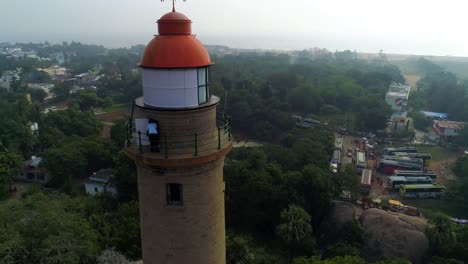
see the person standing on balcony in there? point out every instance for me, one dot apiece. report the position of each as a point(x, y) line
point(153, 135)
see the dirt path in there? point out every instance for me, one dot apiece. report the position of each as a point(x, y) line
point(109, 119)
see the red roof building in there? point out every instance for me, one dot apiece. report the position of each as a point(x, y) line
point(447, 128)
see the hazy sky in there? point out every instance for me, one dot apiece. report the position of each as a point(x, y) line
point(397, 26)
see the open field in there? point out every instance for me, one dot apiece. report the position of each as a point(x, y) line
point(113, 116)
point(109, 119)
point(438, 154)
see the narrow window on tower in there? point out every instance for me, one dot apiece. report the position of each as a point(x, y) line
point(174, 194)
point(203, 92)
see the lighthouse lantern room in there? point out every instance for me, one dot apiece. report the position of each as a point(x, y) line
point(175, 66)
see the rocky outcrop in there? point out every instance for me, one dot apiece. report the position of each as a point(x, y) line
point(340, 213)
point(392, 235)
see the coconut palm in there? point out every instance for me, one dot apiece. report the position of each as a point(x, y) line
point(295, 228)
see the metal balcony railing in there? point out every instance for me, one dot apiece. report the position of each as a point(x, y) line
point(189, 144)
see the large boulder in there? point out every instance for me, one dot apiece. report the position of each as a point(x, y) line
point(339, 214)
point(392, 235)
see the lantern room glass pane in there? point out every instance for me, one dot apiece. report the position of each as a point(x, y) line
point(202, 76)
point(202, 94)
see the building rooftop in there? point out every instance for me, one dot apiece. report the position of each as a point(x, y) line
point(34, 161)
point(398, 87)
point(451, 124)
point(399, 94)
point(104, 176)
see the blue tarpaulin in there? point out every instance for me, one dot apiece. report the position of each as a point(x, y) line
point(434, 114)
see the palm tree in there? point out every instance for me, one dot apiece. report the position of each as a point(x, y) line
point(295, 228)
point(440, 233)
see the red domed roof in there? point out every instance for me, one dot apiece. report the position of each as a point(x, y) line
point(174, 16)
point(175, 46)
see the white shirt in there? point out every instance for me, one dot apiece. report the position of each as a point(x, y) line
point(152, 128)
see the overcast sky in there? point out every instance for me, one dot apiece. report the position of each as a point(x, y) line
point(397, 26)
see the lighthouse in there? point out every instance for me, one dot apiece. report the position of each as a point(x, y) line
point(178, 142)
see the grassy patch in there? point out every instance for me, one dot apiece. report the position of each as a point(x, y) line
point(117, 108)
point(446, 206)
point(437, 153)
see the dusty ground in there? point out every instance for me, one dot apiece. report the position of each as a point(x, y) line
point(443, 171)
point(247, 144)
point(412, 80)
point(109, 119)
point(113, 117)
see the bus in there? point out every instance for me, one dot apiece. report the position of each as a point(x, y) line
point(360, 161)
point(390, 151)
point(421, 191)
point(417, 161)
point(424, 156)
point(420, 173)
point(336, 159)
point(390, 166)
point(366, 180)
point(394, 182)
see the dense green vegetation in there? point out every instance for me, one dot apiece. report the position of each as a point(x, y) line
point(436, 88)
point(54, 228)
point(265, 89)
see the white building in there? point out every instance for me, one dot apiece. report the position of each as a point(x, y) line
point(32, 172)
point(101, 182)
point(397, 96)
point(8, 77)
point(34, 126)
point(46, 87)
point(55, 72)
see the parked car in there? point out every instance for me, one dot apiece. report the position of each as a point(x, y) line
point(350, 152)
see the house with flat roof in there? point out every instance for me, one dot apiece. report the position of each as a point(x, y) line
point(447, 129)
point(101, 182)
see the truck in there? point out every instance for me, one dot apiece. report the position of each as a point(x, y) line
point(339, 143)
point(366, 180)
point(360, 161)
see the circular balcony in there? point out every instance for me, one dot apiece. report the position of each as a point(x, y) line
point(175, 150)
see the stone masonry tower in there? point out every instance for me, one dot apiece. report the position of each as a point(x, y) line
point(180, 171)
